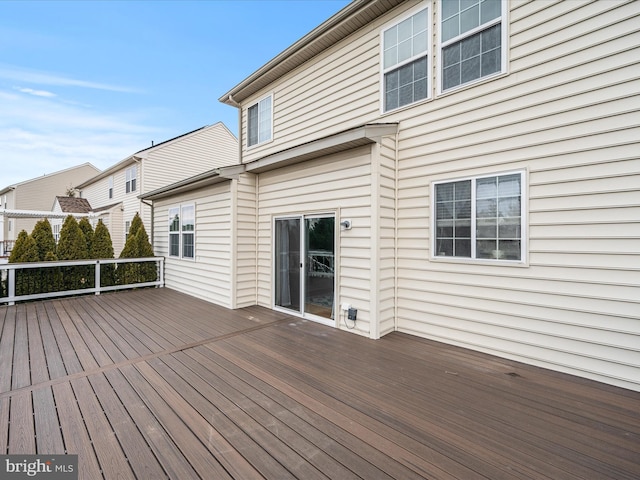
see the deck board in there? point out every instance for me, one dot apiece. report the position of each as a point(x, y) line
point(21, 431)
point(55, 363)
point(153, 383)
point(47, 431)
point(6, 348)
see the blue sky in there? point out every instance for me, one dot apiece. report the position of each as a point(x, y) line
point(95, 81)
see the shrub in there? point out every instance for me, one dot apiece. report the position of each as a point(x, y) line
point(137, 246)
point(102, 247)
point(87, 230)
point(43, 236)
point(73, 246)
point(25, 250)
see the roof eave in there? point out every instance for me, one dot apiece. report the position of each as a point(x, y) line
point(339, 26)
point(346, 140)
point(206, 179)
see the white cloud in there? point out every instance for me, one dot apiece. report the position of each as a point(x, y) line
point(42, 134)
point(37, 93)
point(23, 75)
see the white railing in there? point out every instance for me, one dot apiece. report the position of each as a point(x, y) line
point(321, 263)
point(5, 247)
point(64, 280)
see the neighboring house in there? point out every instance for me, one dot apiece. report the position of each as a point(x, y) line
point(469, 176)
point(114, 192)
point(68, 205)
point(37, 194)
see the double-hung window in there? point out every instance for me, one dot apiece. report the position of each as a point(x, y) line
point(480, 217)
point(405, 61)
point(188, 231)
point(174, 232)
point(260, 121)
point(111, 187)
point(130, 180)
point(182, 228)
point(471, 36)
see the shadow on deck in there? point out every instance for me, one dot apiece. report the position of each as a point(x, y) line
point(154, 384)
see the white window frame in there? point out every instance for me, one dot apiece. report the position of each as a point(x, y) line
point(180, 233)
point(261, 116)
point(172, 212)
point(523, 261)
point(131, 179)
point(110, 188)
point(502, 20)
point(127, 227)
point(383, 71)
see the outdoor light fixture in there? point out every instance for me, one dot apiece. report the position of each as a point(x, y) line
point(345, 225)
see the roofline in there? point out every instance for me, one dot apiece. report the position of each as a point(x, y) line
point(306, 41)
point(341, 141)
point(211, 177)
point(15, 185)
point(139, 155)
point(345, 140)
point(11, 213)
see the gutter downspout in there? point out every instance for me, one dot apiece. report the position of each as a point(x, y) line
point(237, 105)
point(150, 205)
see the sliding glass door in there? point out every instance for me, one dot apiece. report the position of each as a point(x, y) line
point(288, 263)
point(305, 265)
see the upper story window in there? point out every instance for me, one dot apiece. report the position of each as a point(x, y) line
point(131, 177)
point(110, 187)
point(260, 121)
point(405, 61)
point(471, 40)
point(480, 217)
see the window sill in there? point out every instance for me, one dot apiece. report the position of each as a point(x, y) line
point(471, 84)
point(480, 261)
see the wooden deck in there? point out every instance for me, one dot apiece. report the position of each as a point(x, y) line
point(153, 384)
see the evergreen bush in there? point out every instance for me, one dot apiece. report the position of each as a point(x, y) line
point(137, 246)
point(73, 246)
point(102, 247)
point(45, 241)
point(25, 250)
point(87, 230)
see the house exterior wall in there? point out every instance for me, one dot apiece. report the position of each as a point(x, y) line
point(97, 194)
point(212, 147)
point(340, 184)
point(40, 194)
point(244, 241)
point(209, 275)
point(565, 113)
point(166, 163)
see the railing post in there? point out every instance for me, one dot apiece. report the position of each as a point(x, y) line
point(160, 272)
point(97, 277)
point(11, 279)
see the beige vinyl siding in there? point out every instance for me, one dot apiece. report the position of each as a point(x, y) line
point(337, 90)
point(208, 276)
point(211, 147)
point(567, 114)
point(40, 193)
point(97, 194)
point(245, 244)
point(339, 184)
point(386, 234)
